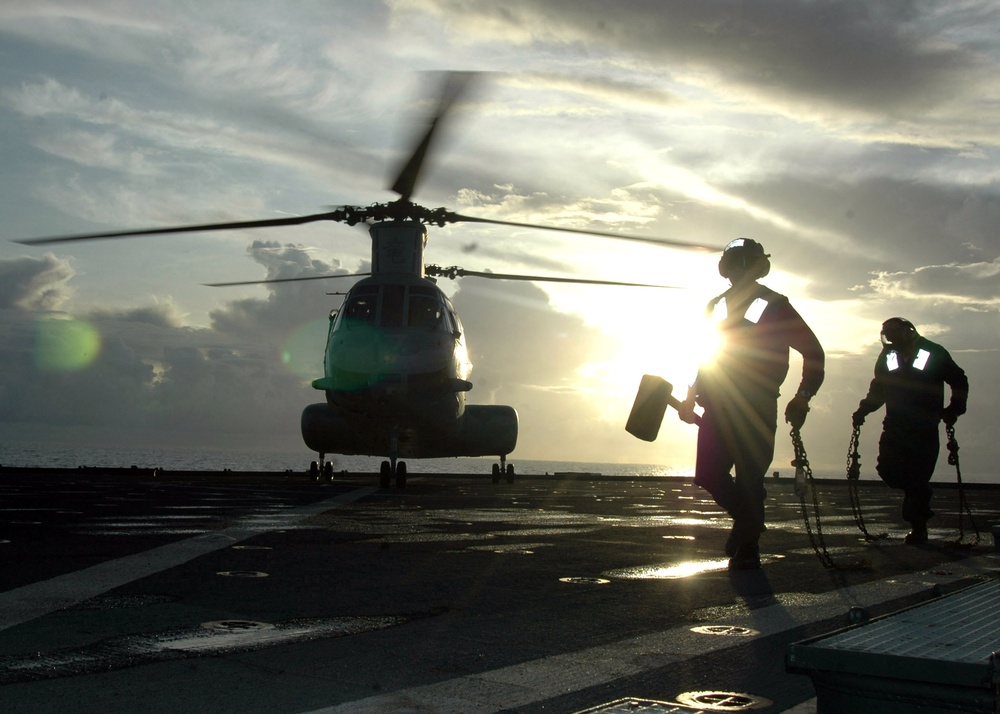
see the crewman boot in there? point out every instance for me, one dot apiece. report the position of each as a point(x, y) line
point(732, 542)
point(737, 536)
point(917, 534)
point(746, 557)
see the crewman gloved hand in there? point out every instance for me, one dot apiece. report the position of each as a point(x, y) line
point(950, 414)
point(795, 412)
point(685, 411)
point(858, 418)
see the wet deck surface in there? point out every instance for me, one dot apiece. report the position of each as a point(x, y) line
point(185, 592)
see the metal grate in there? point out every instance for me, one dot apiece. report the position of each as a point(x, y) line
point(938, 656)
point(963, 627)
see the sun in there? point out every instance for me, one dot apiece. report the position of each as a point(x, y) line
point(670, 340)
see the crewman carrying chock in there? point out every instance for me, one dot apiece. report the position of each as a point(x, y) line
point(738, 390)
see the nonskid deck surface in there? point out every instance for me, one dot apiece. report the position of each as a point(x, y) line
point(264, 592)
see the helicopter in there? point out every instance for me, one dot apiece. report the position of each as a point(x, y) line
point(396, 364)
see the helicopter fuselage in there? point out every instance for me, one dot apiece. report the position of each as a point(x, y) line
point(396, 369)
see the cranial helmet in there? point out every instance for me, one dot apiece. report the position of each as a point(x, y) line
point(897, 330)
point(744, 255)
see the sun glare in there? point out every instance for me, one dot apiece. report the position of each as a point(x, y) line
point(670, 340)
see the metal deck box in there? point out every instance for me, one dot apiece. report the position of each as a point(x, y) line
point(937, 657)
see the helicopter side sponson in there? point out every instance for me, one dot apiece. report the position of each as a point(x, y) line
point(482, 430)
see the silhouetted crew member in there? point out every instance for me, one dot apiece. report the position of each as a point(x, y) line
point(738, 390)
point(910, 375)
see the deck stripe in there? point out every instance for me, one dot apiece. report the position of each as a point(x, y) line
point(538, 680)
point(28, 602)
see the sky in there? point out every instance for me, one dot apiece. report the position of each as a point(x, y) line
point(856, 141)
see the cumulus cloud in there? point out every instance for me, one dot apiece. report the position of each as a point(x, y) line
point(34, 283)
point(141, 367)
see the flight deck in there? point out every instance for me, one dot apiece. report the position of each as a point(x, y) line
point(224, 591)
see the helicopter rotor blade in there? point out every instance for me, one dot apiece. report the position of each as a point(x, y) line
point(345, 214)
point(456, 272)
point(663, 242)
point(283, 280)
point(455, 85)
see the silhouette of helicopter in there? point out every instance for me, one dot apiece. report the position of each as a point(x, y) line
point(396, 368)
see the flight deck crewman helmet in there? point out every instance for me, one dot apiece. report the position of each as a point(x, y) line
point(744, 255)
point(898, 331)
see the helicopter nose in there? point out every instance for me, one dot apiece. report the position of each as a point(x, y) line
point(390, 385)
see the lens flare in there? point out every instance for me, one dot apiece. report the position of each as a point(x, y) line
point(302, 353)
point(65, 345)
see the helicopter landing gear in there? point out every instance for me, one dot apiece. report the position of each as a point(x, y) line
point(388, 470)
point(392, 467)
point(503, 469)
point(321, 471)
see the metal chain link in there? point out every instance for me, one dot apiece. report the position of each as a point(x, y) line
point(853, 476)
point(963, 505)
point(804, 482)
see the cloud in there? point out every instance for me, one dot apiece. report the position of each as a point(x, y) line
point(974, 286)
point(888, 58)
point(34, 283)
point(140, 367)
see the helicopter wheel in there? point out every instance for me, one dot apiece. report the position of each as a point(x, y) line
point(385, 475)
point(510, 473)
point(496, 473)
point(328, 471)
point(401, 474)
point(313, 471)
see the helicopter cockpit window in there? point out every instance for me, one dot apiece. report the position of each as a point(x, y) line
point(455, 321)
point(359, 309)
point(424, 311)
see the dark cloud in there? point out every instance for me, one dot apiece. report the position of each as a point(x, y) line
point(34, 283)
point(288, 304)
point(141, 368)
point(163, 316)
point(877, 57)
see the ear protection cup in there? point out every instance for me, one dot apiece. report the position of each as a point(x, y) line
point(744, 255)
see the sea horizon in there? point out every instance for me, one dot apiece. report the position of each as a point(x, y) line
point(34, 455)
point(56, 455)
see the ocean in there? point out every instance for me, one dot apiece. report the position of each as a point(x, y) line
point(193, 459)
point(57, 455)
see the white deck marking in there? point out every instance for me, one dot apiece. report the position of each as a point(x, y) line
point(31, 601)
point(535, 681)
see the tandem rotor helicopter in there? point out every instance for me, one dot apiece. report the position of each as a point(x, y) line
point(396, 367)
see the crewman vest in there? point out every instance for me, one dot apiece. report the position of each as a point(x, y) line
point(919, 362)
point(721, 310)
